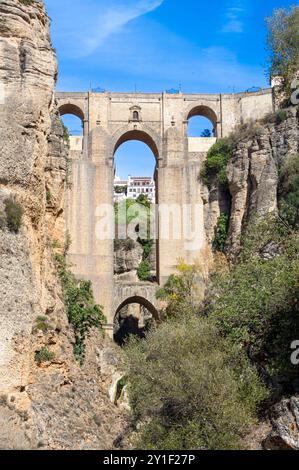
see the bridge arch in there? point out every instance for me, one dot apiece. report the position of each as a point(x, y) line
point(144, 134)
point(132, 323)
point(70, 108)
point(141, 301)
point(205, 111)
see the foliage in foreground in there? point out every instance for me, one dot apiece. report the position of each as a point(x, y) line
point(191, 388)
point(83, 313)
point(256, 304)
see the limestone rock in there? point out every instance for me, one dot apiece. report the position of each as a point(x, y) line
point(126, 260)
point(285, 422)
point(253, 172)
point(56, 404)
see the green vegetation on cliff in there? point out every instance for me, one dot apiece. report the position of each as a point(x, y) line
point(83, 313)
point(14, 214)
point(288, 194)
point(215, 166)
point(255, 304)
point(137, 213)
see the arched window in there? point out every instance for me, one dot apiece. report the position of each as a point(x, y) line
point(135, 116)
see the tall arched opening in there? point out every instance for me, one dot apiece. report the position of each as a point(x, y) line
point(135, 189)
point(73, 119)
point(134, 316)
point(202, 122)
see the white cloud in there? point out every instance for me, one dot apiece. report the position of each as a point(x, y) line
point(84, 26)
point(234, 17)
point(115, 18)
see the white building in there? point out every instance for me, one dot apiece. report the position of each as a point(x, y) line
point(120, 189)
point(134, 187)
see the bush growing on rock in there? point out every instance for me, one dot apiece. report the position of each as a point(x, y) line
point(83, 313)
point(215, 166)
point(144, 271)
point(288, 191)
point(221, 232)
point(44, 355)
point(14, 213)
point(256, 303)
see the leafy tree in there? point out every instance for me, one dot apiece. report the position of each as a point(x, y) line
point(283, 45)
point(214, 169)
point(190, 388)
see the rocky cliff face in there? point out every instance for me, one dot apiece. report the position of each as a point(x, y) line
point(253, 170)
point(53, 404)
point(28, 70)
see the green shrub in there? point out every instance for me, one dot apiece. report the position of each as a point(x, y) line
point(214, 170)
point(189, 388)
point(44, 355)
point(288, 191)
point(281, 116)
point(144, 271)
point(147, 246)
point(256, 303)
point(182, 291)
point(221, 232)
point(14, 213)
point(83, 313)
point(2, 220)
point(41, 324)
point(48, 197)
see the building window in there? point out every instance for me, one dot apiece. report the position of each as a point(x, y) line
point(135, 116)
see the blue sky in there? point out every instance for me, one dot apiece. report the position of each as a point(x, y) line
point(153, 45)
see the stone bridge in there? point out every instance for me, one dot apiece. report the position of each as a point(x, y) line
point(160, 120)
point(143, 293)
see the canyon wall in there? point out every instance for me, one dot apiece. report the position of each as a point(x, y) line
point(253, 172)
point(54, 404)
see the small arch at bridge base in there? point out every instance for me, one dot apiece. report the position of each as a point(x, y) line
point(134, 316)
